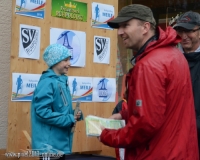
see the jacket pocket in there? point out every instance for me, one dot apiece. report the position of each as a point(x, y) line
point(46, 132)
point(62, 95)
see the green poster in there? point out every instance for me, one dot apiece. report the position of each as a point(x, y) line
point(69, 9)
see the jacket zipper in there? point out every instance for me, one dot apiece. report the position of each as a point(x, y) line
point(62, 95)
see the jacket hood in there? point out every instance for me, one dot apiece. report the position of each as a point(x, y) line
point(165, 38)
point(51, 74)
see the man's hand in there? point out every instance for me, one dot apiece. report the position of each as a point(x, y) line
point(102, 128)
point(116, 116)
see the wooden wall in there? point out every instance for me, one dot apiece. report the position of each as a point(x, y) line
point(125, 54)
point(19, 129)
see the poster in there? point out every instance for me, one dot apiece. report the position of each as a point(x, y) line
point(101, 14)
point(81, 88)
point(23, 86)
point(104, 89)
point(32, 8)
point(75, 41)
point(29, 43)
point(68, 9)
point(101, 50)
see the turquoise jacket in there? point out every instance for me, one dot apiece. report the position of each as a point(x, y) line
point(52, 115)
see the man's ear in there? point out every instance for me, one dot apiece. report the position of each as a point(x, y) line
point(199, 34)
point(147, 27)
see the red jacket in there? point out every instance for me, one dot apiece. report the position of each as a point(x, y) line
point(160, 119)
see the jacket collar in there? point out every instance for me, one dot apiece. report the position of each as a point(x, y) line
point(133, 59)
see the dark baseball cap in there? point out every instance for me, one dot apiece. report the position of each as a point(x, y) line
point(188, 20)
point(129, 12)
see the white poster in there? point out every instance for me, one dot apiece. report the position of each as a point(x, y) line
point(104, 89)
point(75, 41)
point(23, 86)
point(101, 49)
point(32, 8)
point(29, 43)
point(101, 14)
point(81, 88)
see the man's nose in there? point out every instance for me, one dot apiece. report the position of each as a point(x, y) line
point(120, 31)
point(183, 35)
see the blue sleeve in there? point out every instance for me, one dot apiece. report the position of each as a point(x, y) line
point(42, 103)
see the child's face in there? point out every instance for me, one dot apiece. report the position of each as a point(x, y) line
point(62, 67)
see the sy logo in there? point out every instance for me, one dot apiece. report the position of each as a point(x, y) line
point(101, 47)
point(29, 39)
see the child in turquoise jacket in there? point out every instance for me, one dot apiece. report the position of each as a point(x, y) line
point(52, 115)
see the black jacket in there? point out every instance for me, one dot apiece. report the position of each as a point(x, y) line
point(194, 64)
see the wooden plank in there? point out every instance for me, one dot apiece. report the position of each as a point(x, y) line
point(19, 112)
point(3, 157)
point(24, 141)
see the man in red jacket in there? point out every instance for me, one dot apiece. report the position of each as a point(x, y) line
point(160, 118)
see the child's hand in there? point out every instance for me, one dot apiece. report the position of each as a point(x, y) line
point(78, 116)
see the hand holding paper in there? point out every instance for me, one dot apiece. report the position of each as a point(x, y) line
point(95, 125)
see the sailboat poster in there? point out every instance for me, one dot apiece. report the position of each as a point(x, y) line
point(74, 41)
point(104, 89)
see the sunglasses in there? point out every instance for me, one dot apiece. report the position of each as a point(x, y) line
point(187, 31)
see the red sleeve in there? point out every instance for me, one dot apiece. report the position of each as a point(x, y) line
point(124, 106)
point(146, 108)
point(124, 112)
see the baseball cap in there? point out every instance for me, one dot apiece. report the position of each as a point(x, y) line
point(55, 53)
point(188, 20)
point(129, 12)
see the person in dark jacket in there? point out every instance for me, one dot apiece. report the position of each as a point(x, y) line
point(121, 106)
point(188, 28)
point(160, 117)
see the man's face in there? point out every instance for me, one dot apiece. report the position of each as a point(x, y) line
point(62, 67)
point(131, 33)
point(190, 38)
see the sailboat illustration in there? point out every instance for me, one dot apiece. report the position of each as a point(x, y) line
point(66, 42)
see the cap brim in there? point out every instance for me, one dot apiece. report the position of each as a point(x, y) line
point(184, 25)
point(115, 22)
